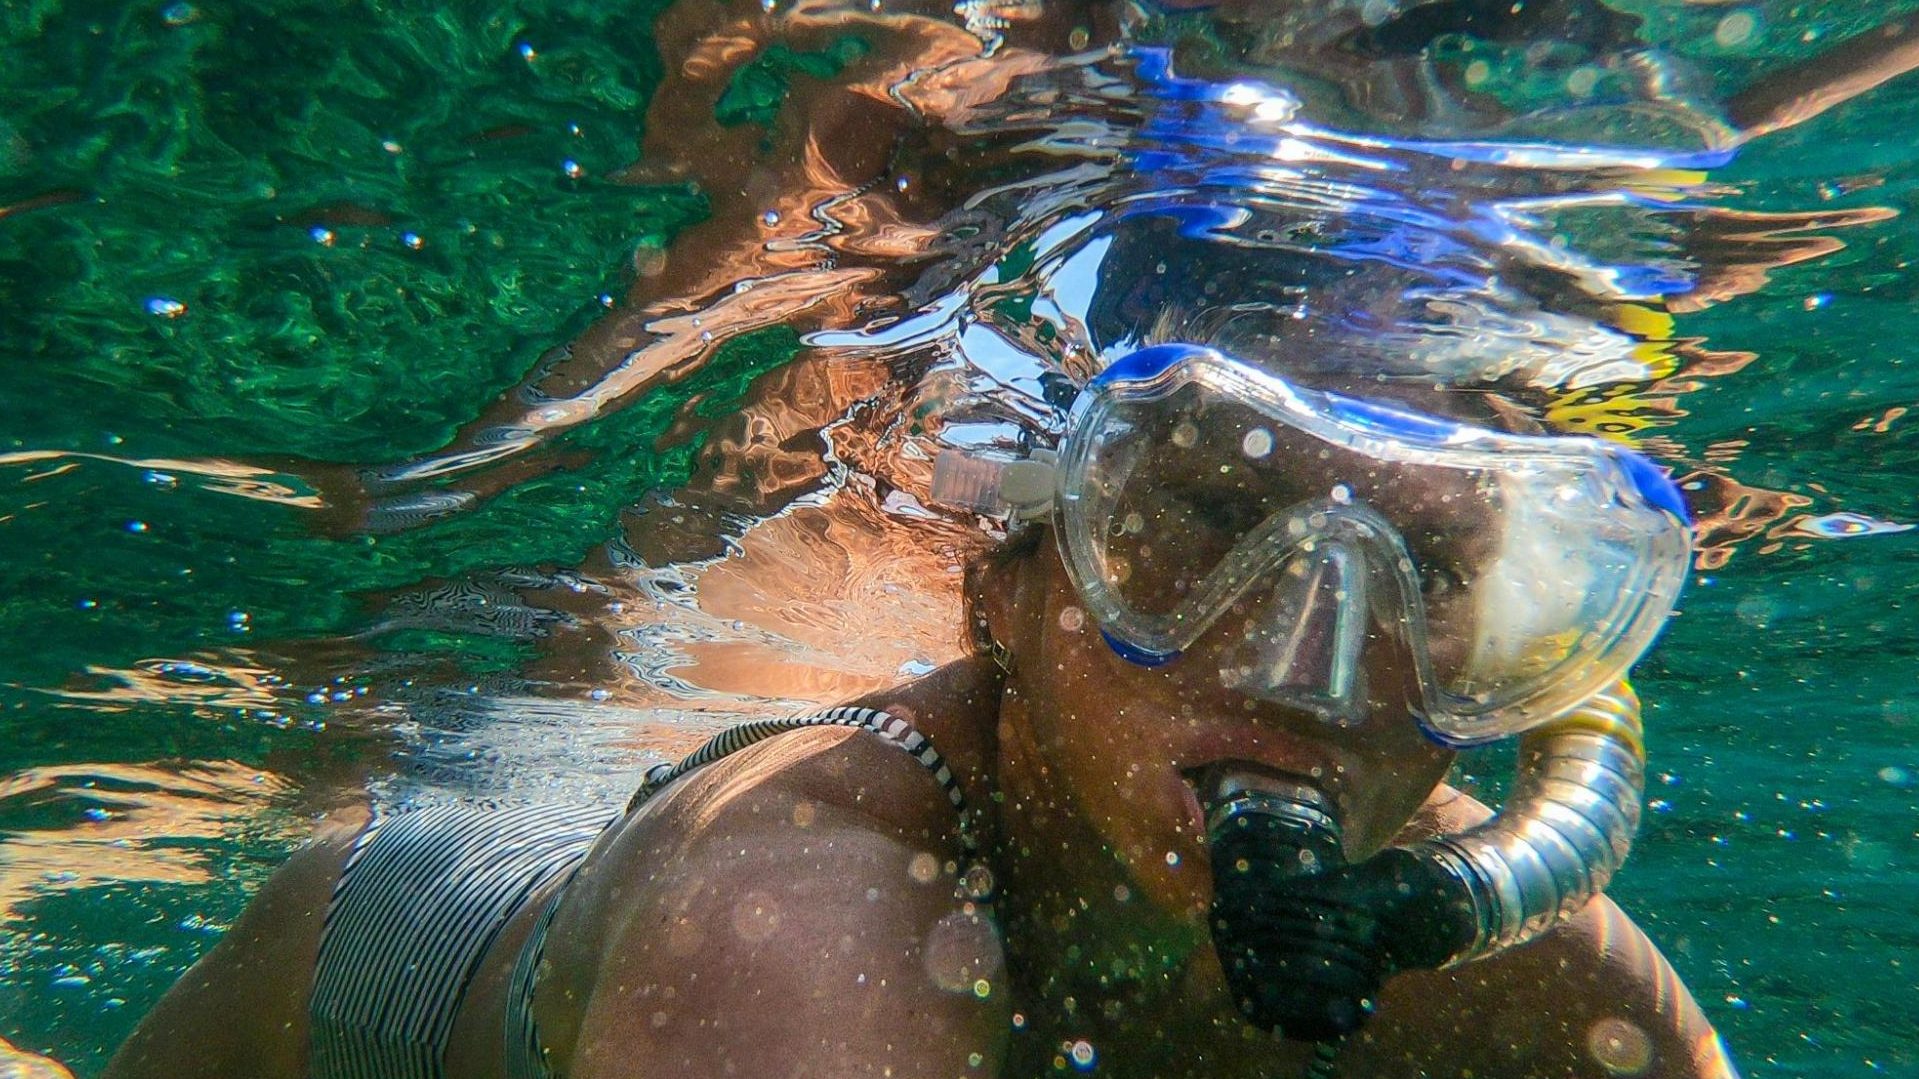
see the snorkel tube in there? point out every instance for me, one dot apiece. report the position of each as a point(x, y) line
point(1306, 942)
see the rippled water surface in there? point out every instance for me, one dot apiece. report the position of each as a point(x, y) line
point(400, 400)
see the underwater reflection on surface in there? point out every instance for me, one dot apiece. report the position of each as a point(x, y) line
point(919, 230)
point(83, 826)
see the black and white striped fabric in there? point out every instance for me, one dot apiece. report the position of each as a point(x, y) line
point(885, 724)
point(424, 893)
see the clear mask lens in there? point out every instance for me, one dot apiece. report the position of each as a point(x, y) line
point(1304, 648)
point(1511, 576)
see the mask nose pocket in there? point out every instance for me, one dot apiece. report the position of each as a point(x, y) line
point(1302, 645)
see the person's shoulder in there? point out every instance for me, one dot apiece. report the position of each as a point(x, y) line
point(857, 775)
point(814, 871)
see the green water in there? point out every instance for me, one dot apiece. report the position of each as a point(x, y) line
point(188, 154)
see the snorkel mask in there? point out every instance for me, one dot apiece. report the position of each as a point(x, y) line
point(1517, 576)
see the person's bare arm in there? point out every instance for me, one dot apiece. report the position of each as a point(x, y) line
point(241, 1011)
point(778, 928)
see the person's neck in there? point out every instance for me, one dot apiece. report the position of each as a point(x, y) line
point(954, 707)
point(1091, 959)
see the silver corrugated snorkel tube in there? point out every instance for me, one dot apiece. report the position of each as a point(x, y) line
point(1307, 941)
point(1562, 833)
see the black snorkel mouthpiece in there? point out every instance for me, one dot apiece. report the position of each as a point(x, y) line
point(1306, 940)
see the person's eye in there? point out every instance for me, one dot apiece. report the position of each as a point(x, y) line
point(1437, 581)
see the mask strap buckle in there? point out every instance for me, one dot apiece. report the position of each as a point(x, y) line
point(1019, 489)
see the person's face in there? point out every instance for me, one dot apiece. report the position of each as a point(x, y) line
point(1122, 746)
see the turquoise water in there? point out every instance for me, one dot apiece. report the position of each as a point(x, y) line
point(260, 267)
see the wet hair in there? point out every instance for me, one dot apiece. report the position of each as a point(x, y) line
point(1021, 543)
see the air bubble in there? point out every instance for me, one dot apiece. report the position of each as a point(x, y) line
point(1735, 29)
point(1619, 1046)
point(924, 868)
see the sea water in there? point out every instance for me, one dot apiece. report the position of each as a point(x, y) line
point(300, 497)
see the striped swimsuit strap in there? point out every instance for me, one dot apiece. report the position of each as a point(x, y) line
point(975, 879)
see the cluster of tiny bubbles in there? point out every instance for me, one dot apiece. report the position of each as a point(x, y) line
point(339, 692)
point(1079, 1054)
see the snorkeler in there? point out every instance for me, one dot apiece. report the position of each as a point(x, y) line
point(1183, 815)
